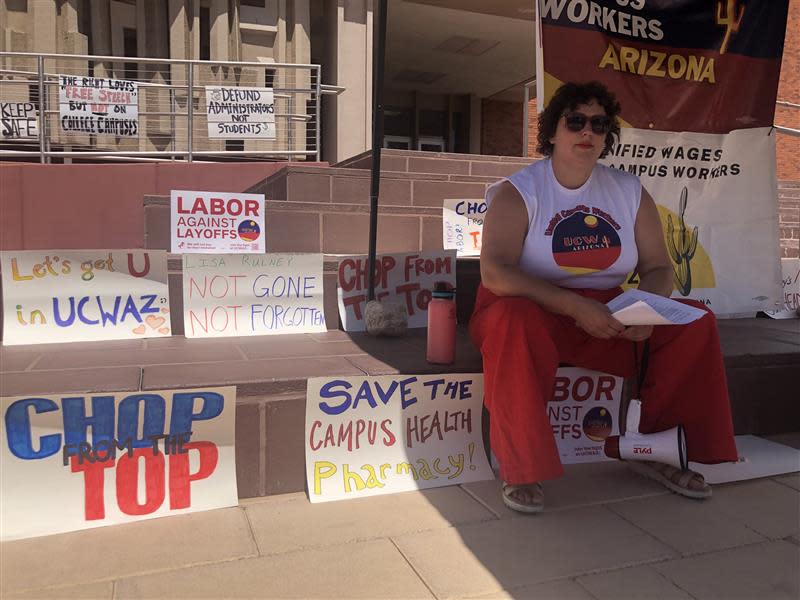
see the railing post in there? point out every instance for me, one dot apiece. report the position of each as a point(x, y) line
point(190, 108)
point(42, 111)
point(318, 102)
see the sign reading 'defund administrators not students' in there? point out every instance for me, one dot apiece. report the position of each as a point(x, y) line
point(76, 461)
point(216, 222)
point(98, 106)
point(84, 295)
point(235, 113)
point(462, 226)
point(243, 294)
point(404, 278)
point(367, 436)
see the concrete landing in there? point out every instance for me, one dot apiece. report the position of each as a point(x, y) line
point(605, 534)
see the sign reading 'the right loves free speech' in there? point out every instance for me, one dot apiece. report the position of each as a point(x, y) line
point(217, 223)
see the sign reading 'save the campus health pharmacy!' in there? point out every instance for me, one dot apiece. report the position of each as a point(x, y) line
point(367, 436)
point(84, 295)
point(76, 461)
point(216, 222)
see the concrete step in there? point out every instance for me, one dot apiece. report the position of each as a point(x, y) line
point(762, 358)
point(408, 161)
point(352, 186)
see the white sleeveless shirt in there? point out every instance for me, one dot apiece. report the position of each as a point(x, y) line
point(581, 238)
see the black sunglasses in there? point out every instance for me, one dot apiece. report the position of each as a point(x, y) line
point(576, 121)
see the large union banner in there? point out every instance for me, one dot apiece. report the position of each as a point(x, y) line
point(697, 81)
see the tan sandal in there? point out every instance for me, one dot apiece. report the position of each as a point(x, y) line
point(534, 489)
point(674, 479)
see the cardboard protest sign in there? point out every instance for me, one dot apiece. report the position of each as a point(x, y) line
point(367, 436)
point(84, 295)
point(789, 301)
point(19, 121)
point(702, 145)
point(711, 192)
point(584, 411)
point(405, 278)
point(462, 226)
point(236, 113)
point(242, 294)
point(98, 106)
point(673, 66)
point(75, 461)
point(216, 222)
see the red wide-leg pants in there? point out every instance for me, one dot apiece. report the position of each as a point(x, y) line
point(522, 346)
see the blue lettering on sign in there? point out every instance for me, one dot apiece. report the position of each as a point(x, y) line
point(76, 423)
point(472, 208)
point(65, 317)
point(18, 429)
point(328, 392)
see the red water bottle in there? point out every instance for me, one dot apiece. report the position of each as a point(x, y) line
point(442, 325)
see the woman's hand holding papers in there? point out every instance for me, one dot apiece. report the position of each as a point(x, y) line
point(595, 318)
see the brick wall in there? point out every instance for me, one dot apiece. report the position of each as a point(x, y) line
point(501, 134)
point(788, 147)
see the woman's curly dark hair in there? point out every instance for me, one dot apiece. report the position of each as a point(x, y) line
point(567, 98)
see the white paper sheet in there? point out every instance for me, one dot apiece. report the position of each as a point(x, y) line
point(757, 458)
point(635, 307)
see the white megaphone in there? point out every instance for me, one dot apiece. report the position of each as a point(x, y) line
point(664, 447)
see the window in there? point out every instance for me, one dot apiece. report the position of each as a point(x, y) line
point(129, 49)
point(234, 144)
point(205, 33)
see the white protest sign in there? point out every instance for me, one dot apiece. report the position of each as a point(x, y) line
point(367, 436)
point(236, 113)
point(242, 294)
point(404, 278)
point(584, 411)
point(84, 295)
point(462, 226)
point(98, 106)
point(76, 461)
point(713, 193)
point(789, 302)
point(19, 120)
point(216, 222)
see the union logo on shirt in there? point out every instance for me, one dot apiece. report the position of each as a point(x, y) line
point(585, 243)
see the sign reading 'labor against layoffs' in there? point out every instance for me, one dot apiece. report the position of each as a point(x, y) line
point(84, 295)
point(367, 436)
point(19, 121)
point(236, 113)
point(75, 461)
point(98, 106)
point(462, 226)
point(242, 294)
point(702, 143)
point(405, 278)
point(216, 222)
point(584, 411)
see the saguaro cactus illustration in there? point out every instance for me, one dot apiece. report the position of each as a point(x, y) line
point(682, 250)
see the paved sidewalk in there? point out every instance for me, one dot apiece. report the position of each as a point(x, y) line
point(606, 533)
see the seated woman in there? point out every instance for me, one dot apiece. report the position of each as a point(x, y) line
point(559, 238)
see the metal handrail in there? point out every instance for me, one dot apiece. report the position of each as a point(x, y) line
point(297, 118)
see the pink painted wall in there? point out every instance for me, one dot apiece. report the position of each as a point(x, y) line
point(99, 205)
